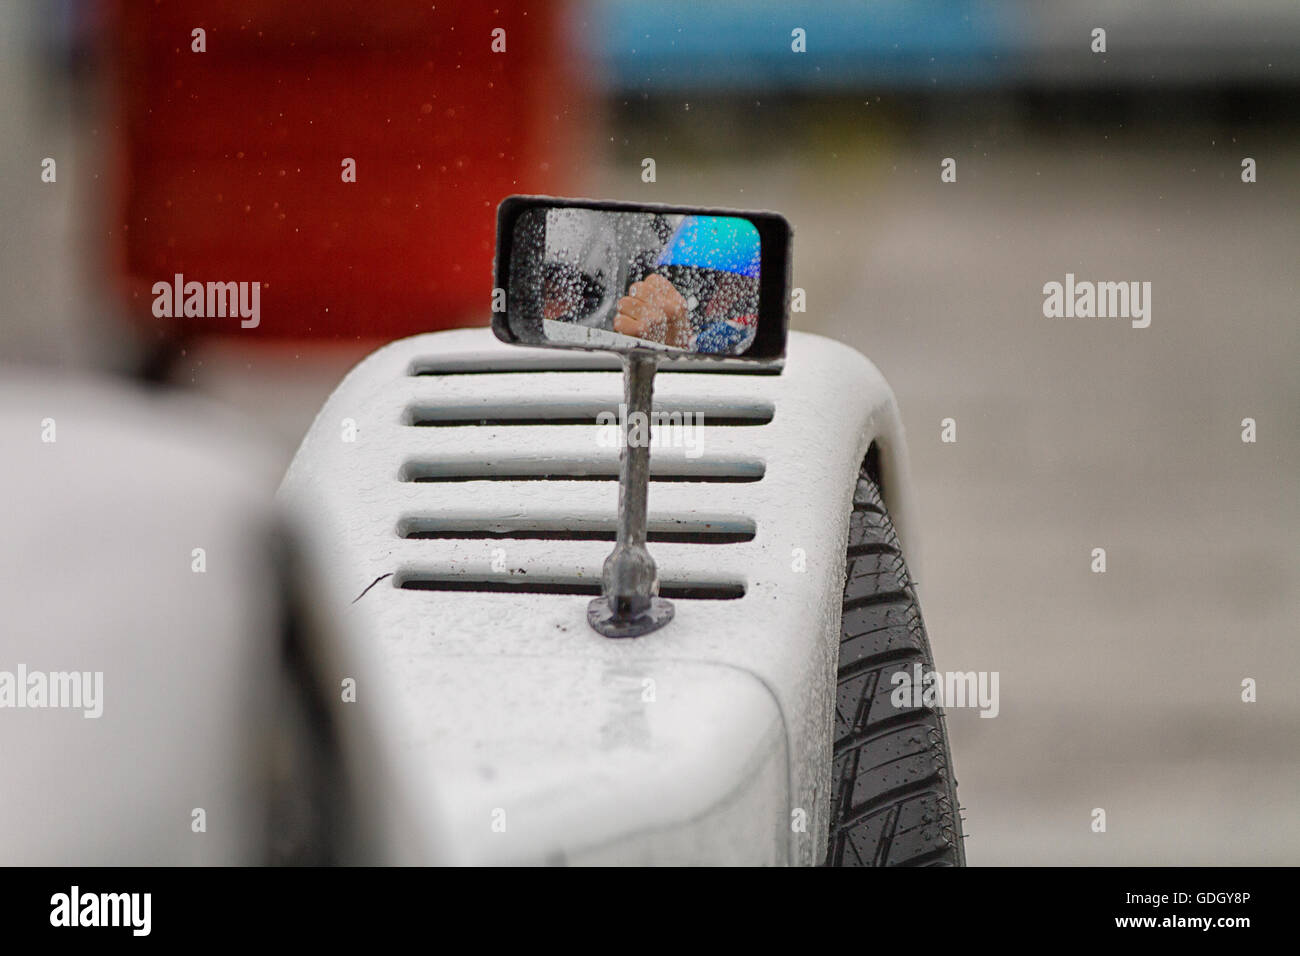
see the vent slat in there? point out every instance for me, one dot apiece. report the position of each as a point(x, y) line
point(573, 361)
point(578, 468)
point(542, 411)
point(654, 537)
point(720, 530)
point(676, 590)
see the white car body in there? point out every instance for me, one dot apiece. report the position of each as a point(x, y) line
point(138, 555)
point(494, 726)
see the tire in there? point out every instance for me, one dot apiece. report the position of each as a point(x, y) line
point(894, 796)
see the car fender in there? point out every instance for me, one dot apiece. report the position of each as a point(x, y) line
point(499, 726)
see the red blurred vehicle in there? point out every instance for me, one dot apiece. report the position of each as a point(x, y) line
point(232, 159)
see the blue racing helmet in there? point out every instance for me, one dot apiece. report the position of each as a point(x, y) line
point(725, 243)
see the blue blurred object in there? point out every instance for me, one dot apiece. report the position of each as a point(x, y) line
point(725, 243)
point(749, 46)
point(737, 45)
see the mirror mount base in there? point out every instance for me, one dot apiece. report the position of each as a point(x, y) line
point(606, 620)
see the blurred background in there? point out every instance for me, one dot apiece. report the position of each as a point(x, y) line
point(1118, 690)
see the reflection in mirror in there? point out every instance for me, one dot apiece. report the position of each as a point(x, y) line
point(602, 278)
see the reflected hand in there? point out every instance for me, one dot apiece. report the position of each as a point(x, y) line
point(654, 310)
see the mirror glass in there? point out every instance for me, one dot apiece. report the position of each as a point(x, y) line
point(618, 279)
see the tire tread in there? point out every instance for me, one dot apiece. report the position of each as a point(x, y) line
point(894, 799)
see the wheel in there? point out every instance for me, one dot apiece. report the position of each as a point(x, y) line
point(894, 796)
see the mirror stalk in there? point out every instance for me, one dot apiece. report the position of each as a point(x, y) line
point(629, 605)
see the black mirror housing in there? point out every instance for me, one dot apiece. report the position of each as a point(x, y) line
point(686, 282)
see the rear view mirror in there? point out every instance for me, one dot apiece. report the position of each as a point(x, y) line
point(654, 283)
point(678, 281)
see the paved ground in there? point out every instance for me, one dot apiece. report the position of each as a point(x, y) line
point(1118, 690)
